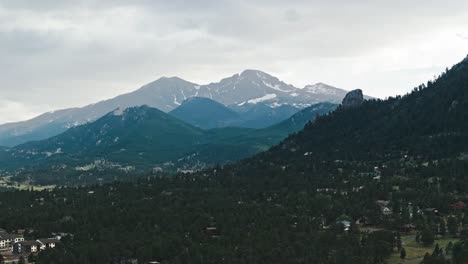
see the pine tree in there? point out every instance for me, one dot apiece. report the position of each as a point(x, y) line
point(427, 237)
point(452, 226)
point(418, 238)
point(449, 248)
point(442, 227)
point(437, 250)
point(403, 253)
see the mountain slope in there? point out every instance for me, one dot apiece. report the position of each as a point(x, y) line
point(204, 113)
point(249, 87)
point(262, 115)
point(141, 133)
point(427, 125)
point(298, 120)
point(138, 139)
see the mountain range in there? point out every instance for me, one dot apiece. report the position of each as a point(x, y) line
point(427, 124)
point(240, 92)
point(142, 138)
point(310, 199)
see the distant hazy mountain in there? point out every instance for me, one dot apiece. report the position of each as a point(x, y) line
point(248, 88)
point(205, 113)
point(145, 137)
point(262, 115)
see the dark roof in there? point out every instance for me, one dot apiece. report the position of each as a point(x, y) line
point(48, 240)
point(4, 235)
point(29, 243)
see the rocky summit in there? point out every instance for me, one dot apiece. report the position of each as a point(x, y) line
point(353, 99)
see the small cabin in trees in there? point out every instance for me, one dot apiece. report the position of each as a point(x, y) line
point(408, 228)
point(458, 205)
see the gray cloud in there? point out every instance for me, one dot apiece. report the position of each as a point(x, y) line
point(57, 54)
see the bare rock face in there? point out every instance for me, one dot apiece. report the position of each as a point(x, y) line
point(353, 98)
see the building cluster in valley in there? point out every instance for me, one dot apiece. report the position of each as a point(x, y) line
point(14, 246)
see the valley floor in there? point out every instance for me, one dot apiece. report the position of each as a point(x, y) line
point(415, 252)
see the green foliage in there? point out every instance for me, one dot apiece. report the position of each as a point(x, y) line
point(165, 219)
point(442, 227)
point(460, 252)
point(143, 138)
point(427, 237)
point(452, 225)
point(402, 253)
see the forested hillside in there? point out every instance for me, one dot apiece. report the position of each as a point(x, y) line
point(429, 123)
point(348, 189)
point(134, 141)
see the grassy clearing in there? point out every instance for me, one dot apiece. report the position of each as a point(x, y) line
point(415, 252)
point(7, 183)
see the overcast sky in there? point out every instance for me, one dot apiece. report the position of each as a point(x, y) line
point(58, 53)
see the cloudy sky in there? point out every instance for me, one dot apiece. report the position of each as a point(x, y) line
point(58, 53)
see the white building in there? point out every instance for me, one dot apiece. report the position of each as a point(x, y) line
point(7, 240)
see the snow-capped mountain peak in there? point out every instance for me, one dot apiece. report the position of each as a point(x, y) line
point(168, 93)
point(321, 88)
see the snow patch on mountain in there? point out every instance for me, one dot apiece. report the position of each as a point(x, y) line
point(175, 100)
point(320, 88)
point(275, 87)
point(262, 99)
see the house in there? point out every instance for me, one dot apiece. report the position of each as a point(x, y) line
point(46, 243)
point(386, 211)
point(382, 203)
point(458, 206)
point(28, 246)
point(410, 210)
point(432, 211)
point(362, 221)
point(384, 207)
point(346, 224)
point(407, 228)
point(34, 246)
point(212, 231)
point(7, 240)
